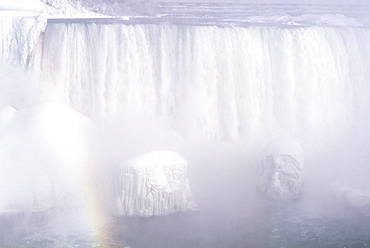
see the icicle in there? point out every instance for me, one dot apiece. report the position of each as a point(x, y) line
point(157, 185)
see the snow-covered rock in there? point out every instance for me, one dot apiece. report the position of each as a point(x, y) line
point(45, 157)
point(351, 197)
point(282, 162)
point(153, 184)
point(22, 5)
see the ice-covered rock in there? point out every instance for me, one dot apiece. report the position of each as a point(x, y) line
point(45, 157)
point(282, 162)
point(351, 197)
point(153, 184)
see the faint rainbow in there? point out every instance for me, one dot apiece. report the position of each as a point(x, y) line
point(94, 195)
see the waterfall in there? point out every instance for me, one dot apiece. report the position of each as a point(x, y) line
point(210, 83)
point(223, 83)
point(232, 83)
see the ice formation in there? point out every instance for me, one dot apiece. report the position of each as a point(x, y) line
point(45, 157)
point(354, 198)
point(282, 163)
point(153, 184)
point(19, 38)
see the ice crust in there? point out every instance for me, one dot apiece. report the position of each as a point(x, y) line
point(153, 184)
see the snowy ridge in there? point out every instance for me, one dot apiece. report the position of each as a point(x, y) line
point(56, 8)
point(22, 5)
point(74, 9)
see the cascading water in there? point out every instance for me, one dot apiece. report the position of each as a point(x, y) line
point(224, 83)
point(216, 86)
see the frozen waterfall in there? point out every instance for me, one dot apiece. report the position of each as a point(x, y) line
point(243, 83)
point(107, 115)
point(223, 83)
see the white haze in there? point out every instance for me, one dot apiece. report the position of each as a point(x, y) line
point(217, 104)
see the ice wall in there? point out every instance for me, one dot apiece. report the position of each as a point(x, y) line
point(223, 83)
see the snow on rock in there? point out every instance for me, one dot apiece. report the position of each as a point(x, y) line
point(22, 5)
point(45, 157)
point(153, 184)
point(351, 197)
point(46, 8)
point(67, 9)
point(356, 198)
point(282, 162)
point(96, 8)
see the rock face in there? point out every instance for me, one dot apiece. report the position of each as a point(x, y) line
point(282, 162)
point(153, 184)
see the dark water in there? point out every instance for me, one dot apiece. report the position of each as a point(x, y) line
point(271, 225)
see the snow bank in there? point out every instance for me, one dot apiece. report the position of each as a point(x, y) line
point(46, 8)
point(22, 5)
point(45, 157)
point(153, 184)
